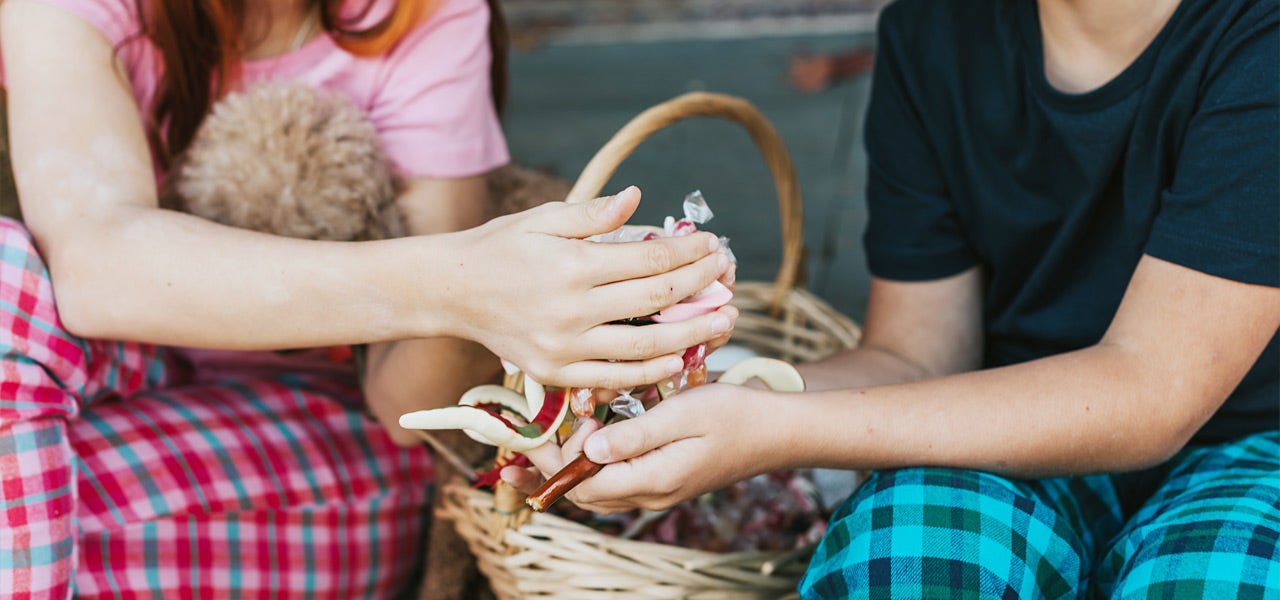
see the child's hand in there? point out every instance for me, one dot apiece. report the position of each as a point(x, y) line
point(700, 440)
point(542, 298)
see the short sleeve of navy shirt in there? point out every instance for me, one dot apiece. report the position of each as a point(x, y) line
point(976, 160)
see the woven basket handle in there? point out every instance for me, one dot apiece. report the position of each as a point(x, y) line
point(702, 104)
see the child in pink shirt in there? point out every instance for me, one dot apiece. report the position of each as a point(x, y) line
point(123, 474)
point(134, 479)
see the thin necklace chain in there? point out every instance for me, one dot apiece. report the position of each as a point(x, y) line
point(304, 31)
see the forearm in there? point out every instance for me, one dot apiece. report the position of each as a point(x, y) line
point(412, 375)
point(142, 274)
point(1088, 411)
point(1179, 345)
point(913, 331)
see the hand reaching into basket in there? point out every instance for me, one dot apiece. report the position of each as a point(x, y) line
point(575, 289)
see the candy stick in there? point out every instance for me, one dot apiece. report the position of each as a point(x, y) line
point(577, 471)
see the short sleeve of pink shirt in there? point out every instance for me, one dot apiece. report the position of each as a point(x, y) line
point(434, 106)
point(429, 96)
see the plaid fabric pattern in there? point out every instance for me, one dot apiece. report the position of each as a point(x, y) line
point(124, 476)
point(1204, 525)
point(1211, 531)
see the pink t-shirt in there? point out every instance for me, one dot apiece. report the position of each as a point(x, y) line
point(428, 96)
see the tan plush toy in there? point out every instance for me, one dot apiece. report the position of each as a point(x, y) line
point(286, 159)
point(289, 160)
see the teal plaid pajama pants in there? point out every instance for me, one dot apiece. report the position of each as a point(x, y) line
point(1204, 525)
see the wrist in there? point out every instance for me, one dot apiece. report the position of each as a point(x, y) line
point(802, 425)
point(418, 285)
point(775, 432)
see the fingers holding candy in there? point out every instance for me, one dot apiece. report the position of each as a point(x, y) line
point(684, 308)
point(571, 288)
point(778, 375)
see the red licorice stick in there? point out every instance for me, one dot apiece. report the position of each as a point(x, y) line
point(577, 471)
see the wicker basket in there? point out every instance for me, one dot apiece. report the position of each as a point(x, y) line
point(538, 555)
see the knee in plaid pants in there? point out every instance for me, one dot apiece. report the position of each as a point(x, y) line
point(123, 475)
point(1204, 525)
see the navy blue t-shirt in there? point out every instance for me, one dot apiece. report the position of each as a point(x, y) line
point(975, 159)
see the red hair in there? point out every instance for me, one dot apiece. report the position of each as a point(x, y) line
point(201, 43)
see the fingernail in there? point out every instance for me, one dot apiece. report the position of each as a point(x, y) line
point(722, 262)
point(730, 277)
point(675, 365)
point(614, 199)
point(597, 449)
point(713, 243)
point(719, 324)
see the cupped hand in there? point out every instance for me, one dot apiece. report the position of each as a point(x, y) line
point(701, 440)
point(539, 295)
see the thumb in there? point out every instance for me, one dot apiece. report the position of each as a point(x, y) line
point(585, 219)
point(634, 437)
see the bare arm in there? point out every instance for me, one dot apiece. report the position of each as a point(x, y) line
point(913, 331)
point(1180, 342)
point(124, 269)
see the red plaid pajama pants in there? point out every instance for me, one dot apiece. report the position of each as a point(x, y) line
point(126, 473)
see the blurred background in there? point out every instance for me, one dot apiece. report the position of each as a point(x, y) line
point(580, 69)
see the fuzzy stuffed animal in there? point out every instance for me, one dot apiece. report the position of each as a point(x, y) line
point(289, 160)
point(286, 159)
